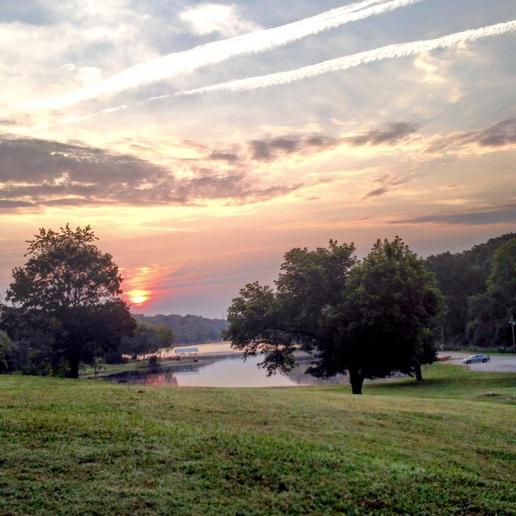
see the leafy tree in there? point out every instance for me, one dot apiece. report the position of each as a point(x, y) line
point(490, 312)
point(5, 348)
point(462, 277)
point(369, 319)
point(501, 284)
point(69, 291)
point(32, 332)
point(389, 314)
point(147, 339)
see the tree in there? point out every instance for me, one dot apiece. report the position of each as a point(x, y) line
point(501, 284)
point(69, 290)
point(369, 319)
point(462, 278)
point(147, 339)
point(5, 348)
point(491, 314)
point(389, 313)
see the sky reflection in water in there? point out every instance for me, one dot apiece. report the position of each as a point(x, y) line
point(225, 372)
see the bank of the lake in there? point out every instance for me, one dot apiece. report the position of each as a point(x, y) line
point(75, 447)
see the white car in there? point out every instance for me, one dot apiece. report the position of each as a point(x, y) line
point(476, 358)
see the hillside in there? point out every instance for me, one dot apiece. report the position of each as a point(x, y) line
point(84, 447)
point(188, 329)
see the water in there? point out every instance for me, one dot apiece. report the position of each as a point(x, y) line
point(223, 372)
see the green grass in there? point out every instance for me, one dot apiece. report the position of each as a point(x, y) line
point(86, 447)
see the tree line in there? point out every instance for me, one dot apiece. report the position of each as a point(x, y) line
point(188, 329)
point(479, 290)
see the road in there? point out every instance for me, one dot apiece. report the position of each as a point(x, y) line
point(497, 364)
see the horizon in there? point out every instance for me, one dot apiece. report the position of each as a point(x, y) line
point(203, 140)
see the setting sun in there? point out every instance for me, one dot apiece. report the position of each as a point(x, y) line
point(138, 297)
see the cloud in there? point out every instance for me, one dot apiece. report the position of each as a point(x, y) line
point(345, 63)
point(84, 74)
point(377, 192)
point(502, 133)
point(227, 156)
point(497, 135)
point(178, 63)
point(386, 182)
point(268, 149)
point(47, 173)
point(392, 133)
point(499, 215)
point(208, 18)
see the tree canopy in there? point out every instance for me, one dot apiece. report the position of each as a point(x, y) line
point(147, 339)
point(463, 280)
point(66, 294)
point(501, 284)
point(368, 318)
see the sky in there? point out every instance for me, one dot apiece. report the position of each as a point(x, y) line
point(203, 140)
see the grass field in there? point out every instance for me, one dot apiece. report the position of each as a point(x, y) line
point(85, 447)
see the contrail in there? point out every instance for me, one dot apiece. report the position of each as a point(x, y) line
point(175, 64)
point(344, 63)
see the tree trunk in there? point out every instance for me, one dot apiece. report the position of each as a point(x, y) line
point(417, 371)
point(357, 380)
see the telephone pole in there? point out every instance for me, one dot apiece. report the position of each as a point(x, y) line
point(512, 322)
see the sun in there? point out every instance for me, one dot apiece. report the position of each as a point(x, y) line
point(138, 297)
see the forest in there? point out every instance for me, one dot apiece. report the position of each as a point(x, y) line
point(475, 284)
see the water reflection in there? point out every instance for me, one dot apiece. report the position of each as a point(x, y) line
point(223, 372)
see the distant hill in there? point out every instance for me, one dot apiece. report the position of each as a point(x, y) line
point(188, 329)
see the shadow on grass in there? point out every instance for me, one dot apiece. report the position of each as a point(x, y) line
point(411, 383)
point(450, 381)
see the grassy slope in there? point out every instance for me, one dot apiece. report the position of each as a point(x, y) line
point(83, 446)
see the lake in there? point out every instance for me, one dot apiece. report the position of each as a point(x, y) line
point(223, 372)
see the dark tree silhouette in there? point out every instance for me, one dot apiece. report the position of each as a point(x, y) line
point(369, 319)
point(68, 290)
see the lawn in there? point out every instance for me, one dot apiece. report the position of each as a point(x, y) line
point(83, 447)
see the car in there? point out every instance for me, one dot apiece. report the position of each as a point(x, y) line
point(476, 358)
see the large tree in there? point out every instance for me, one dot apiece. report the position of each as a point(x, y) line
point(369, 319)
point(389, 314)
point(68, 290)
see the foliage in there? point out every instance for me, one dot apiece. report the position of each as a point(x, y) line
point(147, 339)
point(501, 284)
point(99, 448)
point(5, 349)
point(371, 318)
point(389, 313)
point(65, 306)
point(188, 329)
point(34, 349)
point(490, 313)
point(462, 278)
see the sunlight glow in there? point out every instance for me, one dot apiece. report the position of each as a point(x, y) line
point(138, 297)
